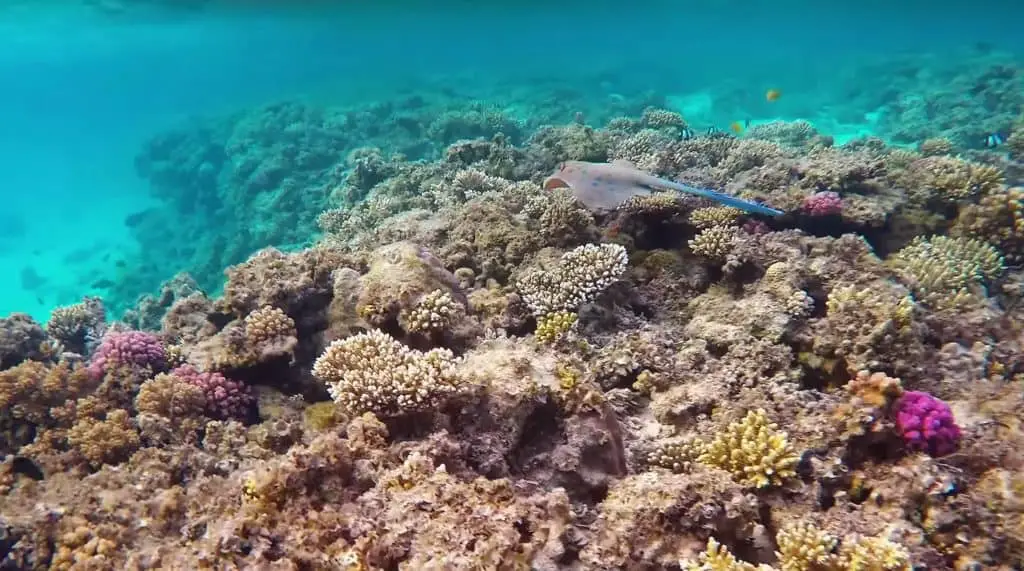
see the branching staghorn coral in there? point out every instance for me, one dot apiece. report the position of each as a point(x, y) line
point(945, 272)
point(372, 372)
point(581, 275)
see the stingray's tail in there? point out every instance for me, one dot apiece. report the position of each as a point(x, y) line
point(729, 200)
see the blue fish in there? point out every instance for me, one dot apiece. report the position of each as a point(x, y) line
point(993, 140)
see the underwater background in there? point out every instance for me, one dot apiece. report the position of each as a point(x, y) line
point(720, 285)
point(87, 87)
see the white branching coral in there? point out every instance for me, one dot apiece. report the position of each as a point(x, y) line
point(434, 313)
point(372, 372)
point(581, 275)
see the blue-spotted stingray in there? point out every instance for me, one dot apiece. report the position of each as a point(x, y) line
point(605, 186)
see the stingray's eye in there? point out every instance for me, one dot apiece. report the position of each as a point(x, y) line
point(561, 165)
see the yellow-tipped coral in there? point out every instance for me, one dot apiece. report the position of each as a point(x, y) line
point(711, 216)
point(804, 547)
point(873, 554)
point(754, 451)
point(718, 558)
point(552, 326)
point(714, 243)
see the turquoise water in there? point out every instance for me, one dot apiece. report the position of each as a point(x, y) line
point(84, 90)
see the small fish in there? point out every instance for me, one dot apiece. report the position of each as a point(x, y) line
point(772, 95)
point(716, 133)
point(736, 127)
point(688, 133)
point(993, 140)
point(102, 284)
point(605, 186)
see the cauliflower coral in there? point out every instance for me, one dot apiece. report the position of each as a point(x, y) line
point(372, 372)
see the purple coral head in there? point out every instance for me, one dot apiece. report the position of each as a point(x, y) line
point(825, 203)
point(225, 398)
point(134, 349)
point(926, 424)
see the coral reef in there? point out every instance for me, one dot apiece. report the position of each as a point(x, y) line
point(424, 360)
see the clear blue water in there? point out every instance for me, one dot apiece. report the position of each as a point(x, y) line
point(84, 89)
